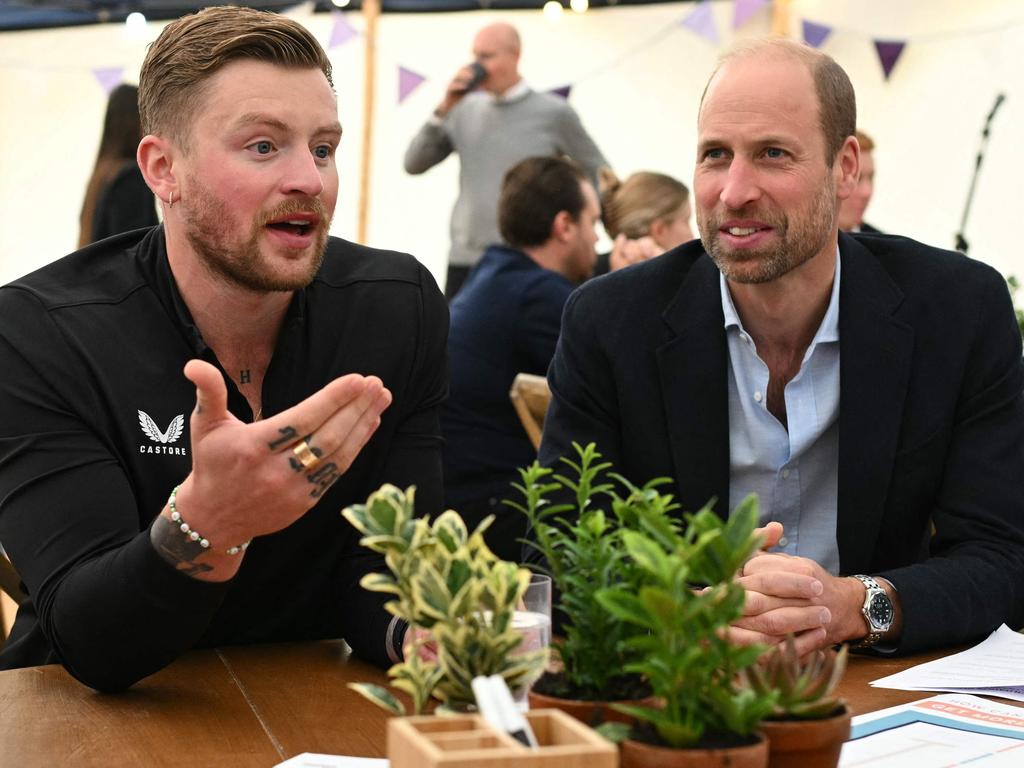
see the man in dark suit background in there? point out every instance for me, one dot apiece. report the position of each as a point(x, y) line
point(866, 387)
point(505, 321)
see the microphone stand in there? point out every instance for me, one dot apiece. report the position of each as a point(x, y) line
point(961, 242)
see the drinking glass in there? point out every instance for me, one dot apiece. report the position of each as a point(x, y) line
point(532, 620)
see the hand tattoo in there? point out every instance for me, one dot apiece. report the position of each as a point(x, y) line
point(323, 477)
point(288, 435)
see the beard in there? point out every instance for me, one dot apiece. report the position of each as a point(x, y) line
point(207, 228)
point(801, 235)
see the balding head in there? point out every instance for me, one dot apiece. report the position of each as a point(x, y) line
point(496, 47)
point(837, 103)
point(500, 35)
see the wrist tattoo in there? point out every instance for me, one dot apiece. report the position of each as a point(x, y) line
point(180, 551)
point(288, 435)
point(245, 377)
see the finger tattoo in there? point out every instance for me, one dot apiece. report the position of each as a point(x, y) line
point(323, 478)
point(288, 435)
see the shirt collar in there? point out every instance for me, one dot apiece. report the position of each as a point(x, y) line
point(827, 331)
point(514, 93)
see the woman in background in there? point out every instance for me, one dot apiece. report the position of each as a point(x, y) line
point(117, 198)
point(647, 214)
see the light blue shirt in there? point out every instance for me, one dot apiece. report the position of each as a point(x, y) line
point(794, 472)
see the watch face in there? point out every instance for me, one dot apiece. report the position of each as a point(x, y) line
point(880, 611)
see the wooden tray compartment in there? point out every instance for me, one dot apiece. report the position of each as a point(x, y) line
point(466, 741)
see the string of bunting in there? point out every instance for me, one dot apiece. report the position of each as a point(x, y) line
point(700, 20)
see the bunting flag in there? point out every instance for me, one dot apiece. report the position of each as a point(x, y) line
point(342, 32)
point(744, 9)
point(562, 91)
point(109, 77)
point(702, 21)
point(408, 81)
point(815, 34)
point(888, 52)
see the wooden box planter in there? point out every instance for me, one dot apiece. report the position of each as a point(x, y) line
point(466, 741)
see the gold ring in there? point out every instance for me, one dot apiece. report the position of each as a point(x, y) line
point(305, 455)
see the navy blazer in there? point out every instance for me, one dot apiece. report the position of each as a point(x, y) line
point(931, 422)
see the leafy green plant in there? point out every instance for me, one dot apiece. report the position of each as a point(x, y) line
point(679, 614)
point(1014, 285)
point(445, 580)
point(583, 551)
point(805, 688)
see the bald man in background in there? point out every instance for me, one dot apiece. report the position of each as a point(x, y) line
point(493, 120)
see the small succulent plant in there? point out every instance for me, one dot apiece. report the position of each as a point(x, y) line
point(805, 687)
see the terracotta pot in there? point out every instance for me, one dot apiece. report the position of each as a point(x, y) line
point(591, 713)
point(806, 743)
point(637, 754)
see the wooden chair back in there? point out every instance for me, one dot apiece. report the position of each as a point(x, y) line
point(530, 395)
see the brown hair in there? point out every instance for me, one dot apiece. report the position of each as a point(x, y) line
point(631, 206)
point(866, 142)
point(118, 144)
point(533, 193)
point(192, 49)
point(837, 102)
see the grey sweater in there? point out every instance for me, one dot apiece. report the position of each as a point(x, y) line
point(490, 137)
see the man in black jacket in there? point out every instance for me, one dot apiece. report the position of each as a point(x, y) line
point(868, 388)
point(317, 369)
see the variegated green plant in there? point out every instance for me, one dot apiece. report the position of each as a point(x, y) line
point(805, 687)
point(447, 581)
point(687, 599)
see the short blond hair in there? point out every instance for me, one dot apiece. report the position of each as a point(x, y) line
point(192, 49)
point(866, 142)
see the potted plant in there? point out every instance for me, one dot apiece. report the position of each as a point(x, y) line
point(808, 724)
point(679, 616)
point(1014, 285)
point(583, 551)
point(449, 587)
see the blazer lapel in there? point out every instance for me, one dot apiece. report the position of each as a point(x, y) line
point(693, 367)
point(874, 370)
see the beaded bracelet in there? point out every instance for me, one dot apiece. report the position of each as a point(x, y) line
point(193, 534)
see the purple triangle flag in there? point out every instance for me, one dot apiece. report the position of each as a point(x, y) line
point(562, 90)
point(702, 21)
point(408, 81)
point(888, 52)
point(109, 77)
point(342, 32)
point(744, 9)
point(815, 34)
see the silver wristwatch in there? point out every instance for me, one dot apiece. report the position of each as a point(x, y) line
point(877, 610)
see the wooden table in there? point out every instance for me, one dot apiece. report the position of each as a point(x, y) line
point(244, 706)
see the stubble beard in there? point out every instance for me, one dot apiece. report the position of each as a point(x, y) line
point(243, 264)
point(799, 239)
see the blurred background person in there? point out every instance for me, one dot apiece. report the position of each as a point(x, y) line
point(493, 119)
point(116, 197)
point(646, 215)
point(506, 321)
point(851, 211)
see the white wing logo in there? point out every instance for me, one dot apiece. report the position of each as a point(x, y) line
point(152, 431)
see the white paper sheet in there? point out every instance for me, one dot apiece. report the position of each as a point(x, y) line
point(994, 667)
point(938, 732)
point(314, 760)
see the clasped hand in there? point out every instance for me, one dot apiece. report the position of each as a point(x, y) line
point(794, 595)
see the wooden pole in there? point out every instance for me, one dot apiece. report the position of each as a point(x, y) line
point(371, 14)
point(780, 17)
